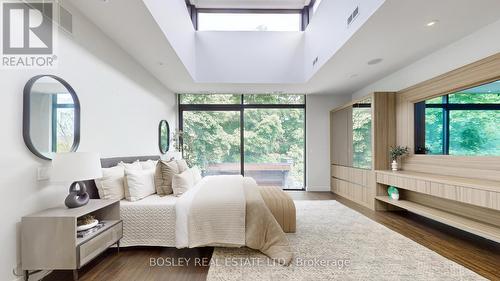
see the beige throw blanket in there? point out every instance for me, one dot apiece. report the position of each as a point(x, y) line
point(229, 211)
point(217, 213)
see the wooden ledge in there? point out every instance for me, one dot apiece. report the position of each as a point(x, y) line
point(487, 185)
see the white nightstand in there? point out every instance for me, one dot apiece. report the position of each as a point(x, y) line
point(49, 240)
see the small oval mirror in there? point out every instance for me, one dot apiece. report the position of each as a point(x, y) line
point(51, 116)
point(164, 136)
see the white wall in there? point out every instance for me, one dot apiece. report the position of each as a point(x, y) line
point(174, 20)
point(121, 107)
point(476, 46)
point(328, 30)
point(249, 57)
point(318, 139)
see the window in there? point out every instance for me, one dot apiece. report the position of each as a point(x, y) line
point(209, 99)
point(256, 21)
point(461, 123)
point(261, 136)
point(63, 116)
point(362, 135)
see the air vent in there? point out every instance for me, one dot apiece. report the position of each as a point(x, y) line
point(65, 19)
point(353, 16)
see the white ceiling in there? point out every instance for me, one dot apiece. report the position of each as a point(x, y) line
point(397, 32)
point(251, 4)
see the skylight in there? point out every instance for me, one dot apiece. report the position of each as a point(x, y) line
point(249, 21)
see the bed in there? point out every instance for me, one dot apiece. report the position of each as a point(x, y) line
point(226, 211)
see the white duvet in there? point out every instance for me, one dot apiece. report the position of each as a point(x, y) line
point(212, 213)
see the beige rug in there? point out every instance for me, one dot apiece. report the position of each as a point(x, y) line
point(334, 242)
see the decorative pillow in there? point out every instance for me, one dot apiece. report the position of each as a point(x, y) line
point(196, 173)
point(131, 166)
point(140, 184)
point(183, 166)
point(182, 182)
point(111, 185)
point(165, 170)
point(148, 165)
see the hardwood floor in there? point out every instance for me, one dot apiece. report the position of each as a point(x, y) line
point(133, 264)
point(473, 252)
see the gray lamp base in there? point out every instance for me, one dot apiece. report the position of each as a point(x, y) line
point(77, 196)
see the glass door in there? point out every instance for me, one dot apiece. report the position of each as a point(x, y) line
point(212, 141)
point(274, 146)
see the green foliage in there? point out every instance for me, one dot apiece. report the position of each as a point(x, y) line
point(274, 99)
point(236, 99)
point(210, 99)
point(361, 137)
point(434, 130)
point(472, 132)
point(475, 132)
point(271, 136)
point(397, 152)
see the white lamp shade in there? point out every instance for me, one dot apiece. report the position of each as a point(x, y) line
point(76, 166)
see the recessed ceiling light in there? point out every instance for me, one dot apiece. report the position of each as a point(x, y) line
point(375, 61)
point(432, 23)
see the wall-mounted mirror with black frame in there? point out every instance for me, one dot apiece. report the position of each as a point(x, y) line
point(163, 136)
point(51, 116)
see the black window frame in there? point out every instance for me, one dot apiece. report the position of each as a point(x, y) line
point(446, 107)
point(306, 13)
point(241, 106)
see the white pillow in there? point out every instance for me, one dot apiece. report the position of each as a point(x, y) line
point(196, 174)
point(110, 186)
point(148, 165)
point(140, 184)
point(131, 166)
point(183, 166)
point(182, 182)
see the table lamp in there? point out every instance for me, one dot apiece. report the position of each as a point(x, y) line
point(76, 167)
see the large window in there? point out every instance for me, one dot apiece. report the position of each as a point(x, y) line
point(461, 123)
point(260, 136)
point(240, 21)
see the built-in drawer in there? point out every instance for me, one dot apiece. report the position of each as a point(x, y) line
point(100, 243)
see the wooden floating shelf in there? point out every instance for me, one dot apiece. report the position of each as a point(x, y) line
point(481, 184)
point(478, 228)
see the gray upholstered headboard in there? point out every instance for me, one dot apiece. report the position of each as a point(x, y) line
point(111, 162)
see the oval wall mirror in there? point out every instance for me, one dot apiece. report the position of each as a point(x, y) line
point(164, 136)
point(51, 116)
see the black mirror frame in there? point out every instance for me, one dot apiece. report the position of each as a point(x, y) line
point(159, 136)
point(27, 113)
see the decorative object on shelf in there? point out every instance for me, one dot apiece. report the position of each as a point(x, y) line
point(393, 192)
point(51, 116)
point(397, 152)
point(163, 136)
point(93, 229)
point(86, 222)
point(77, 167)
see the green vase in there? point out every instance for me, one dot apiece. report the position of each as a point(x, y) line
point(391, 190)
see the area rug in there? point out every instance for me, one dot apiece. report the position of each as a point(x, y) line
point(334, 242)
